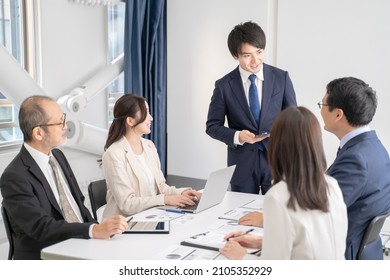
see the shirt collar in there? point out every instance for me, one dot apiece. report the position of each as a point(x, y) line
point(40, 158)
point(353, 133)
point(245, 74)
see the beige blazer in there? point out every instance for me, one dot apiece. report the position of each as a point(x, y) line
point(127, 192)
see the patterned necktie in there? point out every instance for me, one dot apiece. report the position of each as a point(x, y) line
point(68, 212)
point(254, 99)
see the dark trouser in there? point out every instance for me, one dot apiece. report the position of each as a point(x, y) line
point(260, 177)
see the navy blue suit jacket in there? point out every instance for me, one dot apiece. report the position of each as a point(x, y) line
point(35, 215)
point(362, 169)
point(229, 100)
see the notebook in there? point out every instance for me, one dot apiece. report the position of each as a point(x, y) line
point(213, 192)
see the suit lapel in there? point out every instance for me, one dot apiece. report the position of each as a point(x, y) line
point(268, 85)
point(132, 161)
point(37, 173)
point(239, 93)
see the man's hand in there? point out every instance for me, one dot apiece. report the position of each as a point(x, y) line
point(245, 136)
point(109, 227)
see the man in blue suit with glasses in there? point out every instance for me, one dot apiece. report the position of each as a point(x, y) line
point(362, 164)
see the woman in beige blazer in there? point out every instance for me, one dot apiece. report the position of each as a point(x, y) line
point(131, 164)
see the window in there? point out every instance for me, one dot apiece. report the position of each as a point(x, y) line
point(11, 38)
point(116, 25)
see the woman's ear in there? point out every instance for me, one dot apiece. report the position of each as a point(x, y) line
point(130, 121)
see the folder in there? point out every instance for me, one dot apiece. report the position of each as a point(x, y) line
point(206, 240)
point(209, 240)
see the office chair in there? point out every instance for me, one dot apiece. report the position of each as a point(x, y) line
point(372, 232)
point(8, 230)
point(97, 195)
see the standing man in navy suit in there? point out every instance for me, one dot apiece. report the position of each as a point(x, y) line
point(247, 149)
point(362, 164)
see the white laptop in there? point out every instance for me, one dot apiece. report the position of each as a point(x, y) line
point(213, 192)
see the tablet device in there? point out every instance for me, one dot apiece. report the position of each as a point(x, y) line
point(148, 227)
point(263, 135)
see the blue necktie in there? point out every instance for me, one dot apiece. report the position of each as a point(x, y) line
point(254, 99)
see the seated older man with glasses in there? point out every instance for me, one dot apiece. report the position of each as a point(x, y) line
point(40, 192)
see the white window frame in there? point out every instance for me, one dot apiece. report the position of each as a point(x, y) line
point(30, 58)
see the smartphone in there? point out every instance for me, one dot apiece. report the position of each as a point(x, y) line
point(263, 135)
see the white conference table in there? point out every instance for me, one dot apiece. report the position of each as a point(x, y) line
point(145, 246)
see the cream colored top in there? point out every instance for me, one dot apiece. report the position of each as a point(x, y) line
point(127, 183)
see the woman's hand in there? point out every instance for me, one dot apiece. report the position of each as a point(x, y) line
point(233, 250)
point(252, 219)
point(193, 194)
point(245, 240)
point(180, 200)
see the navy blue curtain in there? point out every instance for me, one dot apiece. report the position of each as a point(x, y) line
point(145, 63)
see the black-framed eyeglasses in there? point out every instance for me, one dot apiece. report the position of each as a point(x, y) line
point(54, 124)
point(320, 105)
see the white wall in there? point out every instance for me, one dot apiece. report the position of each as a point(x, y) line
point(326, 39)
point(316, 41)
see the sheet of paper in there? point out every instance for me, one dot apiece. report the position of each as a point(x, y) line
point(236, 214)
point(155, 214)
point(256, 204)
point(386, 227)
point(225, 227)
point(180, 252)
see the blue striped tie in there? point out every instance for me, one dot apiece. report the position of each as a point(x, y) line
point(254, 99)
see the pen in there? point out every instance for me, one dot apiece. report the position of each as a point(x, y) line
point(128, 220)
point(174, 211)
point(246, 232)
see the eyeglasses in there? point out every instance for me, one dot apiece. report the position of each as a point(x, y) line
point(54, 124)
point(320, 104)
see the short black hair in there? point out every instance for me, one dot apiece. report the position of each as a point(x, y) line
point(245, 33)
point(356, 98)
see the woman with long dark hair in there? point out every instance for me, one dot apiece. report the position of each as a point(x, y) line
point(305, 215)
point(131, 164)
